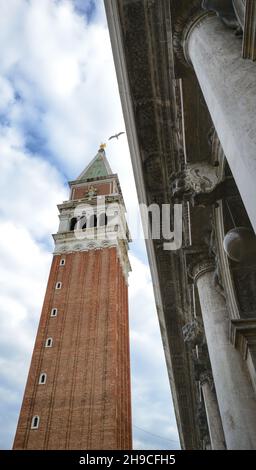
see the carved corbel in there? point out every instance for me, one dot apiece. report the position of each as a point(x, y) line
point(196, 178)
point(198, 183)
point(193, 333)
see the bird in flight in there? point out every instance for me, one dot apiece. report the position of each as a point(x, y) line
point(116, 135)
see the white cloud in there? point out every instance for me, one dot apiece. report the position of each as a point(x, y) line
point(23, 275)
point(58, 101)
point(30, 187)
point(6, 94)
point(66, 66)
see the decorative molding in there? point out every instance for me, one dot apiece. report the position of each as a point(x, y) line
point(72, 203)
point(249, 38)
point(67, 243)
point(72, 245)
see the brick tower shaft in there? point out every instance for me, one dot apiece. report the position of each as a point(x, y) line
point(78, 390)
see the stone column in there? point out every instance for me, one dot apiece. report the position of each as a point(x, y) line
point(235, 395)
point(228, 83)
point(213, 414)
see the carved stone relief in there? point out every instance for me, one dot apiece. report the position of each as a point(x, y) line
point(199, 178)
point(91, 192)
point(198, 183)
point(193, 332)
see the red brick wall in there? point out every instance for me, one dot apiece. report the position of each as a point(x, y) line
point(86, 402)
point(103, 189)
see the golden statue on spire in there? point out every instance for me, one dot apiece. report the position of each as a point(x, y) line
point(103, 146)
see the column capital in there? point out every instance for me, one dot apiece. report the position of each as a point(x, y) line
point(183, 25)
point(189, 28)
point(206, 377)
point(200, 267)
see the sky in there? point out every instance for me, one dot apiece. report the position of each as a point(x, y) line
point(58, 101)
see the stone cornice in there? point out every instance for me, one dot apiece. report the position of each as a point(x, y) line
point(72, 203)
point(67, 243)
point(243, 334)
point(98, 179)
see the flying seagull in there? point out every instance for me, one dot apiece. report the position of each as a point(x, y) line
point(116, 135)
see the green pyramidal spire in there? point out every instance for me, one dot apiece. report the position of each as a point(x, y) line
point(99, 166)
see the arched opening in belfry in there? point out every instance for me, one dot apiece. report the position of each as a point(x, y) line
point(92, 222)
point(103, 220)
point(73, 223)
point(83, 223)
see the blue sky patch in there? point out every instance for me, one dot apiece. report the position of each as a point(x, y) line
point(85, 8)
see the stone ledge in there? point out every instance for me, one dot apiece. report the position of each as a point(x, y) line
point(243, 335)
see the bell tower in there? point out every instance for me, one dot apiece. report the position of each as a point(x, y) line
point(78, 389)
